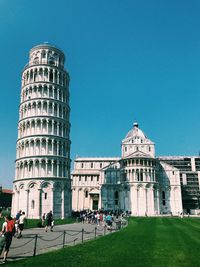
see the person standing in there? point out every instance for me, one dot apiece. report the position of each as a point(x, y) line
point(9, 230)
point(2, 237)
point(17, 221)
point(49, 219)
point(43, 220)
point(21, 224)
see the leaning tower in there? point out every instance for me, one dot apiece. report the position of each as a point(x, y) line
point(42, 171)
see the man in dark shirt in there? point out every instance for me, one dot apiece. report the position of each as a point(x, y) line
point(49, 220)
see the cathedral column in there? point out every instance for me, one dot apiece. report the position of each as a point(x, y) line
point(146, 193)
point(57, 169)
point(151, 200)
point(134, 200)
point(48, 74)
point(27, 202)
point(63, 203)
point(53, 75)
point(78, 190)
point(99, 204)
point(137, 191)
point(158, 201)
point(39, 203)
point(46, 168)
point(144, 200)
point(52, 200)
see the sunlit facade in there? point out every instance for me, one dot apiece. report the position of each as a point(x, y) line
point(138, 181)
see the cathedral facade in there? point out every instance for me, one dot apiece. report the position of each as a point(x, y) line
point(42, 167)
point(138, 181)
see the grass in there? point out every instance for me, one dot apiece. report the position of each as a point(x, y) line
point(33, 223)
point(155, 242)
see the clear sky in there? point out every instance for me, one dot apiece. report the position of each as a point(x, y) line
point(128, 61)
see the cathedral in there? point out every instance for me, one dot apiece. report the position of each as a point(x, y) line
point(138, 181)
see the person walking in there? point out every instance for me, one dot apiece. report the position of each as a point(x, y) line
point(2, 237)
point(21, 224)
point(49, 220)
point(8, 232)
point(17, 221)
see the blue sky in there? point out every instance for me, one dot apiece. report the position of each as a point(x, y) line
point(128, 61)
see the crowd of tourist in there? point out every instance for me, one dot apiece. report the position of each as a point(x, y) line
point(13, 227)
point(99, 217)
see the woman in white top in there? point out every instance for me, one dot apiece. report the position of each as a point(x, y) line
point(21, 223)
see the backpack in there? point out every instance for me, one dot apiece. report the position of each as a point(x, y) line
point(11, 227)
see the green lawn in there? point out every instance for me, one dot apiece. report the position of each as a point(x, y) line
point(34, 223)
point(145, 242)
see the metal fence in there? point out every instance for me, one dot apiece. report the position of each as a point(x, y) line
point(37, 244)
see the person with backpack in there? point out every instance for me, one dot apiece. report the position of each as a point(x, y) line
point(2, 237)
point(9, 232)
point(49, 220)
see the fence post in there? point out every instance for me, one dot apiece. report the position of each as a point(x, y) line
point(64, 239)
point(104, 229)
point(95, 232)
point(82, 234)
point(35, 245)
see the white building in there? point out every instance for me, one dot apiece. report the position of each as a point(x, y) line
point(42, 178)
point(138, 182)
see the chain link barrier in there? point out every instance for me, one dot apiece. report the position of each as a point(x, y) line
point(23, 244)
point(98, 231)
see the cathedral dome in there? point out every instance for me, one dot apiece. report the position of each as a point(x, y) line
point(136, 132)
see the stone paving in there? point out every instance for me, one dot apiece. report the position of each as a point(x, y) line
point(47, 241)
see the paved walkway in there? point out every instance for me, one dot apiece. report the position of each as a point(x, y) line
point(74, 233)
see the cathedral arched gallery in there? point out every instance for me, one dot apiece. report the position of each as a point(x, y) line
point(138, 181)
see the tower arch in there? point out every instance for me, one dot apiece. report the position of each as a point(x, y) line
point(43, 114)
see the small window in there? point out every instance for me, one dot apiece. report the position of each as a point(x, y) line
point(116, 195)
point(82, 165)
point(36, 60)
point(141, 176)
point(92, 165)
point(79, 178)
point(163, 198)
point(85, 178)
point(86, 194)
point(91, 178)
point(33, 204)
point(100, 165)
point(149, 148)
point(125, 148)
point(173, 172)
point(45, 195)
point(43, 54)
point(97, 178)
